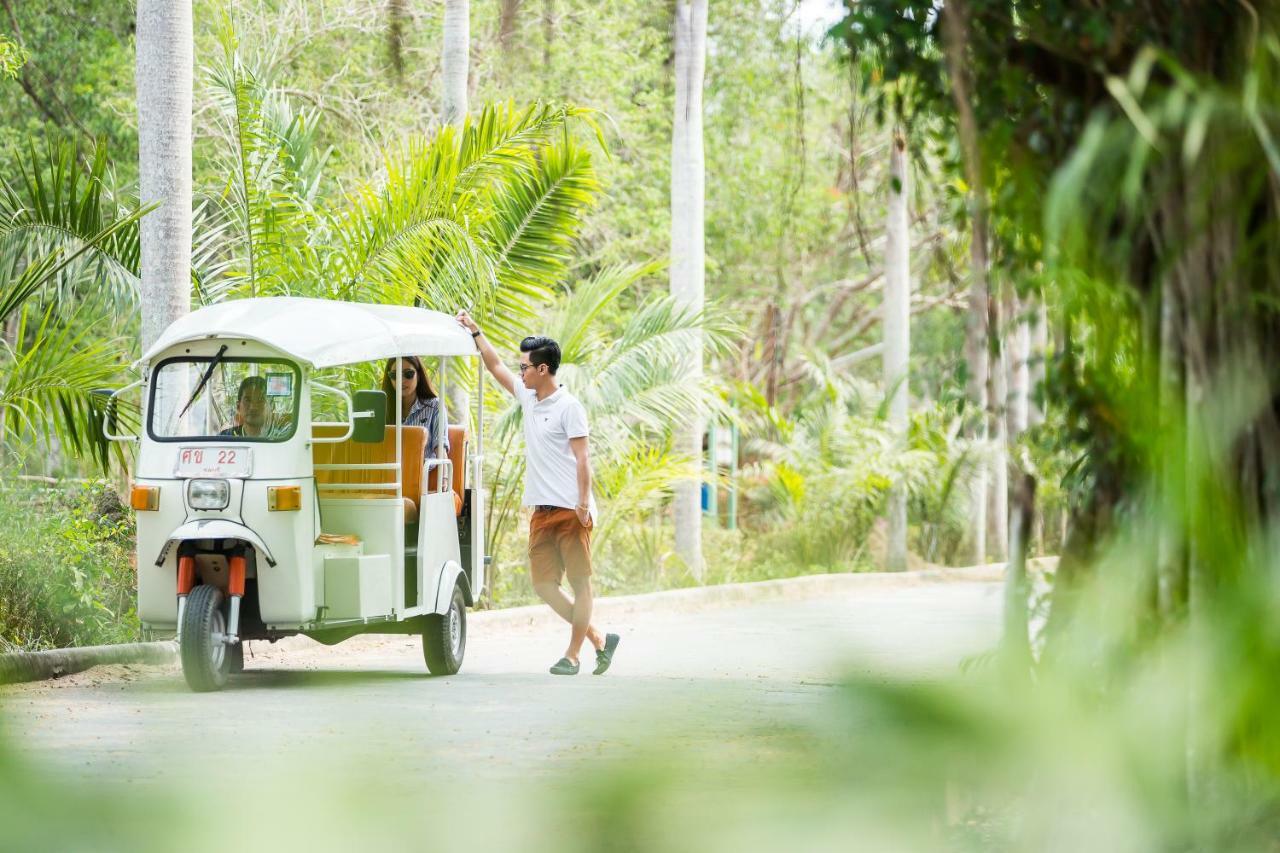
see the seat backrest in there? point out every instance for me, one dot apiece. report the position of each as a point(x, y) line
point(458, 456)
point(412, 447)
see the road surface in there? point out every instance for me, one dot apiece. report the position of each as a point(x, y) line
point(691, 671)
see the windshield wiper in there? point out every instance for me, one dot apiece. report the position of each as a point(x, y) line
point(204, 380)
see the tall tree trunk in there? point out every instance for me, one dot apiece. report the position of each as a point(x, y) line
point(164, 80)
point(998, 497)
point(1037, 354)
point(395, 37)
point(548, 37)
point(507, 23)
point(897, 340)
point(1017, 591)
point(1019, 412)
point(955, 32)
point(687, 250)
point(456, 56)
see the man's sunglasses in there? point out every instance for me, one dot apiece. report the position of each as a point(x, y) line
point(524, 367)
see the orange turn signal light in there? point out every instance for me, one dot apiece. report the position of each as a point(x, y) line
point(284, 498)
point(145, 498)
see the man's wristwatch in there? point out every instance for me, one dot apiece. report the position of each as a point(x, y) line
point(477, 333)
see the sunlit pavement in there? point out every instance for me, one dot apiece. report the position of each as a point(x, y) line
point(692, 677)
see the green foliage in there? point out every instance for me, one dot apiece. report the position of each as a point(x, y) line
point(480, 215)
point(71, 252)
point(626, 368)
point(12, 57)
point(66, 572)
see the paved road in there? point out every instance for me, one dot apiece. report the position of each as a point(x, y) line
point(696, 673)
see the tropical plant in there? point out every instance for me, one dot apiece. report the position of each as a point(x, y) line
point(480, 214)
point(70, 255)
point(630, 374)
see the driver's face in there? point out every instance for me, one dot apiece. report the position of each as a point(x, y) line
point(252, 407)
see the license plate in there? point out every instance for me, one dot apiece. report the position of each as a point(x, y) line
point(214, 461)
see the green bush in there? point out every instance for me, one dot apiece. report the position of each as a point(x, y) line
point(66, 568)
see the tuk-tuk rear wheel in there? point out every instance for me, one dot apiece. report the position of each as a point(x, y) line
point(444, 636)
point(205, 662)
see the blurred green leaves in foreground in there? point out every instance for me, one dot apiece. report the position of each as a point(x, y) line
point(1113, 745)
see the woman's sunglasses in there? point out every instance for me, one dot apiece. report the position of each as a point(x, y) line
point(407, 373)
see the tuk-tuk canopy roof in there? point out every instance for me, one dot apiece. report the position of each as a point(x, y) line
point(322, 332)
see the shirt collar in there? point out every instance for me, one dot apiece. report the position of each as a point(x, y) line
point(552, 397)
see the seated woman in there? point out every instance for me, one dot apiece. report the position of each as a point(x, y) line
point(419, 406)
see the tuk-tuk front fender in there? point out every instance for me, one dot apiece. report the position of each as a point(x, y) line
point(215, 528)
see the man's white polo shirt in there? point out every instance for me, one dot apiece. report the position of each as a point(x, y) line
point(551, 472)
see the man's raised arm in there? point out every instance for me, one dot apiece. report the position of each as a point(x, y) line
point(492, 361)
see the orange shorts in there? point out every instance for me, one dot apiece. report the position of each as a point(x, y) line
point(559, 544)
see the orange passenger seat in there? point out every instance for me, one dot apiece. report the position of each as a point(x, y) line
point(412, 447)
point(457, 455)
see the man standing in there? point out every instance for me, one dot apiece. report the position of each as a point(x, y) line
point(557, 486)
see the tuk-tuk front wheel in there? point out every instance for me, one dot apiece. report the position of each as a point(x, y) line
point(444, 637)
point(205, 659)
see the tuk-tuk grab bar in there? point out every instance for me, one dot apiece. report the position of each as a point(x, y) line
point(350, 422)
point(358, 466)
point(444, 482)
point(108, 411)
point(354, 487)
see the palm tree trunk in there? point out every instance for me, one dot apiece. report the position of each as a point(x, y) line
point(165, 60)
point(1019, 412)
point(1037, 353)
point(955, 31)
point(456, 59)
point(507, 23)
point(998, 498)
point(687, 250)
point(897, 341)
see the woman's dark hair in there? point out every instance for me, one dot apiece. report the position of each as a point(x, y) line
point(423, 389)
point(542, 351)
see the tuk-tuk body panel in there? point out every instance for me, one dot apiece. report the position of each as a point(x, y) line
point(378, 523)
point(158, 585)
point(437, 544)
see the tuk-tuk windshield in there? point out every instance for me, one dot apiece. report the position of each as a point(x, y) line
point(216, 398)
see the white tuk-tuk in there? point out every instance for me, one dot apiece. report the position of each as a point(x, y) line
point(258, 520)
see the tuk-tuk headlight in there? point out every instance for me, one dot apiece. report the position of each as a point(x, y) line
point(208, 494)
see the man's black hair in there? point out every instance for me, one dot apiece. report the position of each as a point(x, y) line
point(542, 350)
point(250, 382)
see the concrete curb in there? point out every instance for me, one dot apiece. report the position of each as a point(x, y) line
point(692, 598)
point(34, 666)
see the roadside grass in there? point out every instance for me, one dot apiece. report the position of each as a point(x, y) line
point(66, 567)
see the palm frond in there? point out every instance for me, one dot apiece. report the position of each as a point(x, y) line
point(47, 380)
point(58, 223)
point(575, 325)
point(502, 138)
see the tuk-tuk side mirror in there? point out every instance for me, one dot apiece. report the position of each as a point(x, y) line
point(369, 412)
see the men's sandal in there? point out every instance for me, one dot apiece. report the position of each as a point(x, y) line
point(564, 666)
point(604, 656)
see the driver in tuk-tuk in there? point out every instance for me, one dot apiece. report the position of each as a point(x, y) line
point(251, 409)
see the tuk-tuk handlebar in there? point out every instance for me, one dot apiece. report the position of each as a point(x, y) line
point(107, 413)
point(350, 422)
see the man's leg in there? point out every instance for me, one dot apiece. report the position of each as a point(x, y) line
point(581, 617)
point(553, 595)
